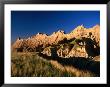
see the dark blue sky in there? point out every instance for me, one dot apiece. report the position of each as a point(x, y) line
point(27, 23)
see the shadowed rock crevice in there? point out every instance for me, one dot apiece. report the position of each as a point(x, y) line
point(91, 47)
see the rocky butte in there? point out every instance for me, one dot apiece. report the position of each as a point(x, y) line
point(81, 42)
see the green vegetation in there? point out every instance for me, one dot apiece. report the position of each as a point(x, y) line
point(50, 47)
point(73, 42)
point(61, 46)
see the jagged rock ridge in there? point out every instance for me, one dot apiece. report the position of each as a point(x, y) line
point(80, 42)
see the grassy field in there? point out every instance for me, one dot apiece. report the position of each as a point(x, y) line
point(32, 65)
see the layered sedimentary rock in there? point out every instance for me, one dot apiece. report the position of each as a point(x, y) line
point(81, 42)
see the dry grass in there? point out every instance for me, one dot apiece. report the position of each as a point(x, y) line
point(71, 69)
point(32, 65)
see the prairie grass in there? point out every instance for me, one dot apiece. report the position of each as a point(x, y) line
point(32, 65)
point(73, 70)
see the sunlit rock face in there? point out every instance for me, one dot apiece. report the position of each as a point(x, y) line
point(80, 42)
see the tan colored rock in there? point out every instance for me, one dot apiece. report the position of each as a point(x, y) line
point(42, 41)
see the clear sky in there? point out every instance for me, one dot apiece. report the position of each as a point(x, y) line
point(27, 23)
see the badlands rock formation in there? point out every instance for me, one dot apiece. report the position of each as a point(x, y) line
point(80, 42)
